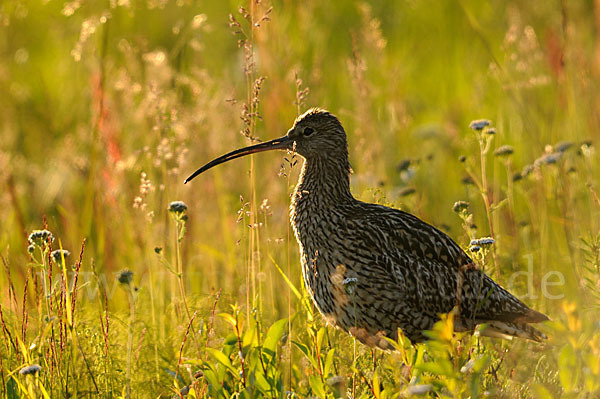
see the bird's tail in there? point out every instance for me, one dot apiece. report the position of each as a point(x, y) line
point(507, 330)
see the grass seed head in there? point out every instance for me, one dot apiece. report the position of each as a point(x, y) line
point(504, 151)
point(40, 238)
point(527, 169)
point(350, 284)
point(563, 146)
point(178, 207)
point(404, 165)
point(467, 181)
point(479, 124)
point(482, 242)
point(548, 159)
point(587, 149)
point(460, 206)
point(406, 191)
point(474, 248)
point(125, 277)
point(56, 255)
point(517, 176)
point(30, 370)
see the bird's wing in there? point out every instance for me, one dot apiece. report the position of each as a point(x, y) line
point(429, 267)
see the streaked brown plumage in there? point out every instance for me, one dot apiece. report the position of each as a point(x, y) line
point(371, 269)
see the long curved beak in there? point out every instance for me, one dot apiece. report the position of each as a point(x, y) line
point(282, 143)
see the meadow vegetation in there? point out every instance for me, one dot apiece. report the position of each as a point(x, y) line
point(119, 281)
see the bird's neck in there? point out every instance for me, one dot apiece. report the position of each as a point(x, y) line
point(323, 182)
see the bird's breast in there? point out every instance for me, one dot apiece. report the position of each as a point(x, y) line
point(325, 268)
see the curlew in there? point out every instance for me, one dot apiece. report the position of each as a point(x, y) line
point(371, 269)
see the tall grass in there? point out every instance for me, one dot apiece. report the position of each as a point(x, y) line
point(107, 106)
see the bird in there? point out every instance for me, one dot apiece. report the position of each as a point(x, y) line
point(372, 270)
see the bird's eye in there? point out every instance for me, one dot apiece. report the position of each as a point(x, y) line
point(308, 131)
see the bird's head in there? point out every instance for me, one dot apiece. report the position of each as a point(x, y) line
point(316, 134)
point(319, 134)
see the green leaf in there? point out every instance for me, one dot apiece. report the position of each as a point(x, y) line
point(376, 387)
point(307, 353)
point(439, 367)
point(317, 386)
point(230, 344)
point(567, 365)
point(302, 347)
point(418, 359)
point(24, 350)
point(591, 382)
point(320, 336)
point(499, 205)
point(274, 335)
point(328, 362)
point(287, 280)
point(250, 337)
point(229, 318)
point(251, 360)
point(482, 363)
point(221, 358)
point(11, 389)
point(261, 383)
point(541, 392)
